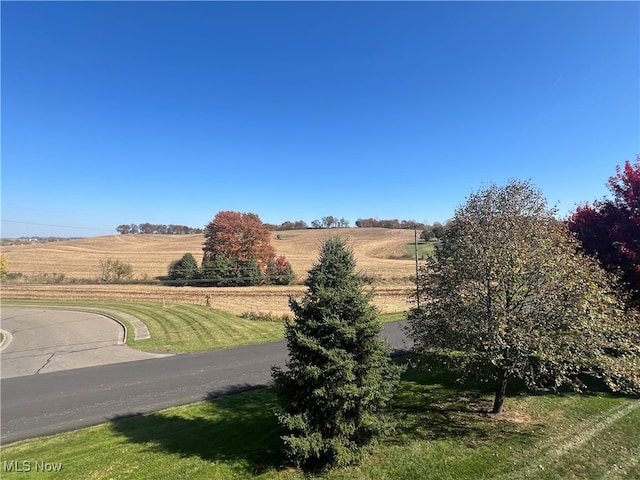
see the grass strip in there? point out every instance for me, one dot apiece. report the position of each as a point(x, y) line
point(179, 327)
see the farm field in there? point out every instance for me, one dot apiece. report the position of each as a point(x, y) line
point(379, 254)
point(150, 255)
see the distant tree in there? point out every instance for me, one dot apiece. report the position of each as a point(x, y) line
point(366, 222)
point(238, 237)
point(185, 270)
point(237, 250)
point(288, 225)
point(438, 230)
point(245, 273)
point(4, 266)
point(145, 228)
point(508, 287)
point(610, 228)
point(388, 223)
point(113, 270)
point(328, 221)
point(427, 234)
point(123, 229)
point(279, 271)
point(316, 224)
point(339, 378)
point(217, 271)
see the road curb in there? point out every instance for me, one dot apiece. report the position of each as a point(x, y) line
point(140, 330)
point(8, 338)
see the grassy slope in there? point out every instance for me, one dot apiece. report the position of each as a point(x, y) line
point(184, 327)
point(180, 327)
point(442, 433)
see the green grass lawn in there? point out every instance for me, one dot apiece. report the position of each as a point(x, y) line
point(183, 327)
point(443, 432)
point(425, 249)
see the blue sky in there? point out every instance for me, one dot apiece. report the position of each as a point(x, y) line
point(168, 112)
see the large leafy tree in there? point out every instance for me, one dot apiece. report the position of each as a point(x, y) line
point(610, 228)
point(238, 245)
point(238, 236)
point(339, 377)
point(509, 288)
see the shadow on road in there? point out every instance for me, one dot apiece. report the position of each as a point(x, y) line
point(234, 429)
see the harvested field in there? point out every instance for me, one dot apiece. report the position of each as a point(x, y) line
point(237, 300)
point(150, 255)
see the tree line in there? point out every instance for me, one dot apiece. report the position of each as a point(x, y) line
point(331, 221)
point(156, 229)
point(328, 221)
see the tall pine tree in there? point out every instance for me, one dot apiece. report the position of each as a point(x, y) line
point(339, 379)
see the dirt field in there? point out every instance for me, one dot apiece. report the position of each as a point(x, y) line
point(272, 300)
point(150, 255)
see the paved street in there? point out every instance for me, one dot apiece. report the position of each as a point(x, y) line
point(45, 341)
point(43, 404)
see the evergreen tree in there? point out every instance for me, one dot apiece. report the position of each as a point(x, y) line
point(216, 271)
point(246, 273)
point(185, 270)
point(339, 378)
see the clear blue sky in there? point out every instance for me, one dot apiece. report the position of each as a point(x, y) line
point(168, 112)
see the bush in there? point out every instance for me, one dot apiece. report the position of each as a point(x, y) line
point(114, 271)
point(185, 270)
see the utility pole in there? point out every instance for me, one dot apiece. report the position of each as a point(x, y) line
point(415, 242)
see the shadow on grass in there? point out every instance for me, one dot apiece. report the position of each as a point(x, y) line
point(435, 406)
point(239, 429)
point(242, 430)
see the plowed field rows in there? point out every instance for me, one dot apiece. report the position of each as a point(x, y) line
point(150, 256)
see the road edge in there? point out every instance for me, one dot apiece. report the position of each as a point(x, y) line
point(8, 338)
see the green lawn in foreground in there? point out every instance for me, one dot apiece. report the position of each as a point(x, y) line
point(442, 433)
point(181, 327)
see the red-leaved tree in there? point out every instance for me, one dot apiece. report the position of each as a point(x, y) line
point(238, 251)
point(610, 228)
point(238, 237)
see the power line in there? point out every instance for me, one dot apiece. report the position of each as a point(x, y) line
point(57, 226)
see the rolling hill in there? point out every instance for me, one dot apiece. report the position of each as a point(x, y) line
point(377, 252)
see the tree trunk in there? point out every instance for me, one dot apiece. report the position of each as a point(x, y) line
point(501, 389)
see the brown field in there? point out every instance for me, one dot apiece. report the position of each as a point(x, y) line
point(150, 255)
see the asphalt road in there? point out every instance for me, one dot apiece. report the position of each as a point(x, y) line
point(37, 405)
point(50, 340)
